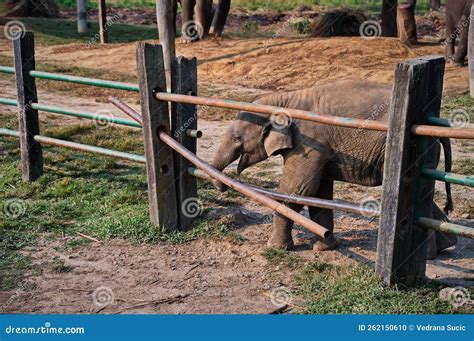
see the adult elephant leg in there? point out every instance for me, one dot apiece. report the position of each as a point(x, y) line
point(187, 12)
point(220, 17)
point(324, 217)
point(461, 52)
point(203, 15)
point(450, 38)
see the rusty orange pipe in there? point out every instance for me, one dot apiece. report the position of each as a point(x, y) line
point(425, 130)
point(245, 190)
point(125, 108)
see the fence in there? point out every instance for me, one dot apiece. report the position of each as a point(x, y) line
point(409, 170)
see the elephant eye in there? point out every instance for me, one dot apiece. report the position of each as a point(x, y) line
point(236, 139)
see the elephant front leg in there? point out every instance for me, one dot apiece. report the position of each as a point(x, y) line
point(281, 233)
point(324, 217)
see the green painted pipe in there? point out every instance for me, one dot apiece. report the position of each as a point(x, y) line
point(443, 226)
point(7, 69)
point(75, 113)
point(453, 178)
point(79, 146)
point(436, 121)
point(86, 81)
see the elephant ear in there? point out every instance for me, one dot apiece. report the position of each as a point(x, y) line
point(277, 136)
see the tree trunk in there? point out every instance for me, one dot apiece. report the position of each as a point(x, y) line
point(406, 24)
point(389, 18)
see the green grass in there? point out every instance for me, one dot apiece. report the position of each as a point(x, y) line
point(79, 192)
point(283, 5)
point(57, 32)
point(283, 258)
point(329, 289)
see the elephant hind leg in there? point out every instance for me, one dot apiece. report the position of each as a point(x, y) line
point(461, 51)
point(439, 241)
point(324, 217)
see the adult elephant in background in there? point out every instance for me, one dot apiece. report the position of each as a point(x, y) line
point(315, 155)
point(457, 28)
point(201, 18)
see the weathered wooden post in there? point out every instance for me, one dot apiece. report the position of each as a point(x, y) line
point(389, 18)
point(471, 52)
point(82, 16)
point(183, 120)
point(401, 247)
point(155, 115)
point(164, 17)
point(104, 35)
point(31, 153)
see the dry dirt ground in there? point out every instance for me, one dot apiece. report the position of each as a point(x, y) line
point(230, 276)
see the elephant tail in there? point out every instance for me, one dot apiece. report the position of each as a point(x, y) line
point(448, 162)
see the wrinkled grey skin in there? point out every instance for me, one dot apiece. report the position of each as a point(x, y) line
point(457, 28)
point(211, 18)
point(315, 155)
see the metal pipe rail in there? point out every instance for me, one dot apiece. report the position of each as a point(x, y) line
point(442, 226)
point(338, 205)
point(453, 178)
point(247, 191)
point(79, 146)
point(424, 130)
point(75, 113)
point(77, 80)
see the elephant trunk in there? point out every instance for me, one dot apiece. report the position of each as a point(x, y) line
point(222, 159)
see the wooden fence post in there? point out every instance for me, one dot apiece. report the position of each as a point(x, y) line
point(401, 246)
point(104, 35)
point(31, 153)
point(470, 56)
point(183, 118)
point(155, 114)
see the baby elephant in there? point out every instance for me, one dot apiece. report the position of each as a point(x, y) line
point(457, 27)
point(315, 155)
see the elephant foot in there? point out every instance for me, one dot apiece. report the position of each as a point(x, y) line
point(330, 243)
point(458, 63)
point(281, 242)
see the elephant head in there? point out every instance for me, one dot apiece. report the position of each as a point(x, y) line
point(252, 138)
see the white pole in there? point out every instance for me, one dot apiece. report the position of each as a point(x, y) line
point(164, 16)
point(82, 16)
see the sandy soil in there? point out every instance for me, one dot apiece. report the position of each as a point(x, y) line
point(230, 276)
point(264, 63)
